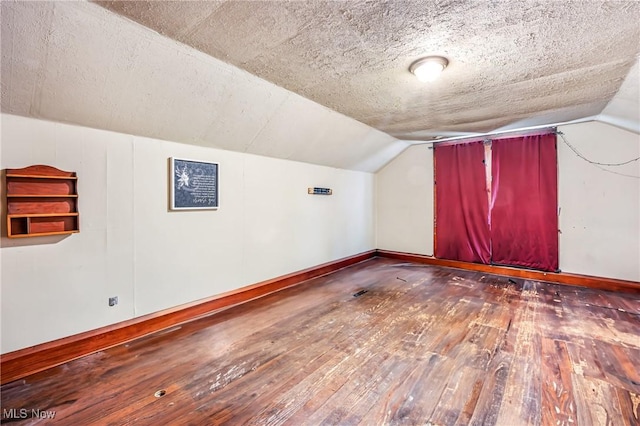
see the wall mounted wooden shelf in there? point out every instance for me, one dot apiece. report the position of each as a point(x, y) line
point(41, 200)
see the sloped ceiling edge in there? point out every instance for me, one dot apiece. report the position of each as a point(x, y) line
point(78, 63)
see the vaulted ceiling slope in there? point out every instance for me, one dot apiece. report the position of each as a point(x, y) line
point(511, 63)
point(76, 62)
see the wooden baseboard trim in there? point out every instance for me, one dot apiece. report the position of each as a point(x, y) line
point(21, 363)
point(24, 362)
point(550, 277)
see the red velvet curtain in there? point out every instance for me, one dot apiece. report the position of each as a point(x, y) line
point(524, 202)
point(462, 229)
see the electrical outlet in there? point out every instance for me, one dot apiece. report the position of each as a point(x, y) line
point(113, 301)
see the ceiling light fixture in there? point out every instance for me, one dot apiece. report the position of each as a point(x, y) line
point(429, 68)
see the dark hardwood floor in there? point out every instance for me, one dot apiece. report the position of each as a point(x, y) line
point(421, 345)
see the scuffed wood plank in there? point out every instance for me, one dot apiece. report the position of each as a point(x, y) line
point(620, 365)
point(584, 360)
point(629, 406)
point(624, 304)
point(356, 397)
point(522, 401)
point(479, 346)
point(558, 404)
point(376, 395)
point(494, 315)
point(415, 398)
point(597, 402)
point(460, 396)
point(235, 402)
point(490, 399)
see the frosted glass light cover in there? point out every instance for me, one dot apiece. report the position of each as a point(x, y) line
point(428, 69)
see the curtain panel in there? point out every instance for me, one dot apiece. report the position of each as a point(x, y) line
point(524, 202)
point(462, 205)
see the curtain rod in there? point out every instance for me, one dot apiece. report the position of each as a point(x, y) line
point(503, 132)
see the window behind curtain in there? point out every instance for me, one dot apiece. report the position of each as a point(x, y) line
point(524, 202)
point(462, 230)
point(519, 225)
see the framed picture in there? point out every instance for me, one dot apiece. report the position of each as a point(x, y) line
point(194, 184)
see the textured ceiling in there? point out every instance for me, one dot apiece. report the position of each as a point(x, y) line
point(510, 62)
point(75, 62)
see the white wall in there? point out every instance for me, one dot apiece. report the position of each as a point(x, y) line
point(600, 211)
point(131, 246)
point(404, 202)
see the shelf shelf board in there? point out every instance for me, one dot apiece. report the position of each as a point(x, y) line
point(43, 234)
point(18, 215)
point(42, 196)
point(12, 175)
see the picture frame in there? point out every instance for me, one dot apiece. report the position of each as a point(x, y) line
point(194, 184)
